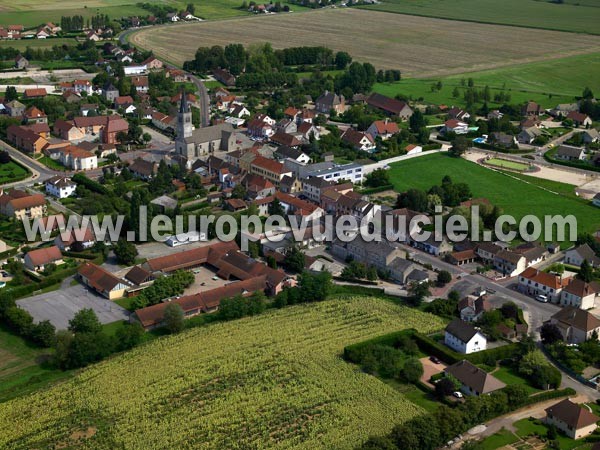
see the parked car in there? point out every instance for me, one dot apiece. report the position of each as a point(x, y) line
point(434, 359)
point(541, 298)
point(457, 394)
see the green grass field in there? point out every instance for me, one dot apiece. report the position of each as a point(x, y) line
point(21, 367)
point(272, 381)
point(575, 16)
point(498, 440)
point(11, 172)
point(514, 196)
point(505, 164)
point(511, 377)
point(548, 82)
point(22, 44)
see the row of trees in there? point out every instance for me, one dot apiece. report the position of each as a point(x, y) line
point(261, 58)
point(164, 287)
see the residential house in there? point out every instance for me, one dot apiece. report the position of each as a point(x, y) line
point(102, 281)
point(576, 325)
point(15, 108)
point(571, 419)
point(536, 282)
point(563, 109)
point(34, 93)
point(580, 294)
point(110, 92)
point(455, 126)
point(34, 115)
point(76, 158)
point(21, 62)
point(258, 187)
point(472, 307)
point(289, 140)
point(528, 135)
point(284, 152)
point(509, 263)
point(330, 101)
point(500, 139)
point(20, 204)
point(569, 153)
point(76, 240)
point(359, 140)
point(142, 169)
point(260, 129)
point(224, 76)
point(286, 126)
point(60, 186)
point(80, 86)
point(458, 114)
point(463, 337)
point(290, 184)
point(25, 139)
point(575, 256)
point(474, 381)
point(239, 111)
point(383, 129)
point(307, 130)
point(579, 119)
point(141, 84)
point(393, 107)
point(38, 259)
point(596, 199)
point(591, 136)
point(153, 63)
point(312, 188)
point(435, 244)
point(86, 108)
point(413, 149)
point(269, 169)
point(531, 109)
point(164, 203)
point(164, 122)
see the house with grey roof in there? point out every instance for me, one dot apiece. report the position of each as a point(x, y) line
point(570, 153)
point(474, 381)
point(462, 337)
point(576, 255)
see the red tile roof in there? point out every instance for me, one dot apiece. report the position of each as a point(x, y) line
point(43, 256)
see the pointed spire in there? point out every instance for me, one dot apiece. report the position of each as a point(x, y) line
point(184, 108)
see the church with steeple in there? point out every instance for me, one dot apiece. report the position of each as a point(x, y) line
point(193, 143)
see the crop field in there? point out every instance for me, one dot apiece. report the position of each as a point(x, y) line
point(519, 195)
point(418, 46)
point(275, 380)
point(546, 82)
point(573, 15)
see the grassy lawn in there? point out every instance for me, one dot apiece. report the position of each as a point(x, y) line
point(509, 376)
point(22, 44)
point(11, 172)
point(577, 17)
point(499, 439)
point(548, 82)
point(22, 367)
point(513, 195)
point(505, 164)
point(125, 302)
point(213, 84)
point(528, 427)
point(51, 163)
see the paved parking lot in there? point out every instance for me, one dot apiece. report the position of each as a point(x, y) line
point(156, 249)
point(60, 306)
point(203, 281)
point(430, 369)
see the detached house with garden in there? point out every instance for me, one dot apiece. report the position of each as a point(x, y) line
point(463, 337)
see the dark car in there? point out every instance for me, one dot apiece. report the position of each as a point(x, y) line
point(434, 359)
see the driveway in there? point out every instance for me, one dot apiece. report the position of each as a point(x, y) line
point(430, 369)
point(60, 306)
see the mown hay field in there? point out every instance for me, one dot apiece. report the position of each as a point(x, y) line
point(418, 46)
point(580, 16)
point(275, 380)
